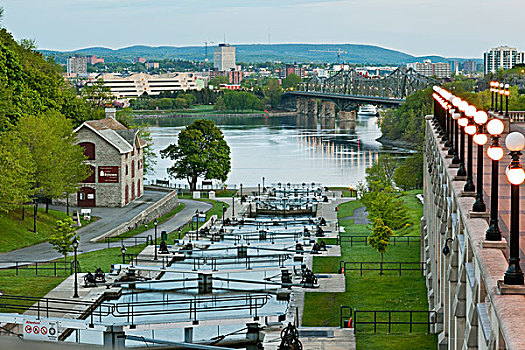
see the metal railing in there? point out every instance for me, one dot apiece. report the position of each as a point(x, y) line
point(398, 266)
point(345, 319)
point(410, 320)
point(394, 240)
point(41, 268)
point(128, 241)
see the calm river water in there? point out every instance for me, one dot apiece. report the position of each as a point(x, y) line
point(284, 149)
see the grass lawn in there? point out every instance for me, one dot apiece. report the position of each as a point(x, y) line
point(373, 291)
point(15, 233)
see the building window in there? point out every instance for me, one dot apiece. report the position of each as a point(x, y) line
point(132, 168)
point(138, 188)
point(89, 150)
point(126, 169)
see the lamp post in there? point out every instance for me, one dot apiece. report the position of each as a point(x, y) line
point(233, 206)
point(75, 247)
point(180, 232)
point(155, 223)
point(501, 93)
point(470, 129)
point(495, 127)
point(507, 93)
point(491, 84)
point(455, 117)
point(223, 212)
point(451, 122)
point(123, 252)
point(263, 183)
point(462, 122)
point(241, 190)
point(496, 88)
point(197, 223)
point(480, 139)
point(515, 142)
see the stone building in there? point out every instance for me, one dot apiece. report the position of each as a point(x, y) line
point(115, 155)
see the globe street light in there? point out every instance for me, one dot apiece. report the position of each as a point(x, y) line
point(75, 247)
point(123, 252)
point(480, 139)
point(495, 128)
point(470, 129)
point(155, 223)
point(515, 142)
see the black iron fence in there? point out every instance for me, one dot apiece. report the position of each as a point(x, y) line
point(382, 267)
point(393, 321)
point(40, 268)
point(394, 240)
point(129, 241)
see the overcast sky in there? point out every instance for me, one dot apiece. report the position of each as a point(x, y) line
point(452, 28)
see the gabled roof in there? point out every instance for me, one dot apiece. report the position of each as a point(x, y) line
point(114, 133)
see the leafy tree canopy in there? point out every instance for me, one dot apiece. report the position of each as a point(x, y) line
point(201, 151)
point(63, 236)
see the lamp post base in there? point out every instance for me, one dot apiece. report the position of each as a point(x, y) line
point(493, 233)
point(479, 205)
point(469, 186)
point(461, 170)
point(513, 275)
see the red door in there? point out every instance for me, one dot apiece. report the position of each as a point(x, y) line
point(86, 197)
point(132, 191)
point(127, 195)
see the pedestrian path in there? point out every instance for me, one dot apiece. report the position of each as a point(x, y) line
point(45, 252)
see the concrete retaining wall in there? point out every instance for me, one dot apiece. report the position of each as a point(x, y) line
point(163, 206)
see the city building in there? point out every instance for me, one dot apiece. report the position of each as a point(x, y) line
point(470, 66)
point(431, 69)
point(502, 57)
point(139, 60)
point(152, 65)
point(234, 76)
point(115, 155)
point(77, 66)
point(94, 60)
point(292, 69)
point(137, 84)
point(224, 58)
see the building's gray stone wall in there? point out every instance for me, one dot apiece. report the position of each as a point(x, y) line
point(112, 194)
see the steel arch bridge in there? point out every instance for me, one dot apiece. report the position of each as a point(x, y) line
point(397, 85)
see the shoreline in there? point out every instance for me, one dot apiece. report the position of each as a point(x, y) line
point(223, 115)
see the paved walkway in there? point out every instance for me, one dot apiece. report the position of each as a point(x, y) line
point(109, 218)
point(360, 216)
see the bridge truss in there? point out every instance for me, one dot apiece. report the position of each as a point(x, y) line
point(398, 84)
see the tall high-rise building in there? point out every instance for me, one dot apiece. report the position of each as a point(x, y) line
point(428, 68)
point(77, 65)
point(224, 57)
point(502, 57)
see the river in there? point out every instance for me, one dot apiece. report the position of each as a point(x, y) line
point(284, 149)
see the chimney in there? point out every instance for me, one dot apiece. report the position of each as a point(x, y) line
point(111, 113)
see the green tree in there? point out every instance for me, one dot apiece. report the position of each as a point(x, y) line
point(380, 238)
point(218, 80)
point(273, 93)
point(16, 177)
point(291, 81)
point(63, 236)
point(58, 160)
point(97, 94)
point(201, 151)
point(409, 175)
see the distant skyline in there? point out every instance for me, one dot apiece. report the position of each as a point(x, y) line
point(464, 28)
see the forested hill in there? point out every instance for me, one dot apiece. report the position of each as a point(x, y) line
point(255, 53)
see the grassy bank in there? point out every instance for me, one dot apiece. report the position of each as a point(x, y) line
point(16, 233)
point(373, 291)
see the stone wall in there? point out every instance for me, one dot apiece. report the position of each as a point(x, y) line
point(156, 210)
point(471, 311)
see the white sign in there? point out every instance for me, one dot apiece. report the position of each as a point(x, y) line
point(41, 330)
